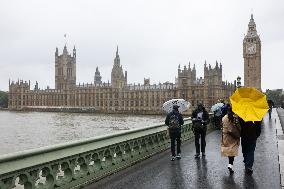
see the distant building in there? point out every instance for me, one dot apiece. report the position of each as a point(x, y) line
point(119, 96)
point(252, 57)
point(65, 70)
point(98, 77)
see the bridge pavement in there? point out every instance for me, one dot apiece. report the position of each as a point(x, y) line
point(158, 172)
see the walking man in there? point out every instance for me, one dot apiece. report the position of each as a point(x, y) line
point(174, 120)
point(271, 105)
point(250, 131)
point(200, 118)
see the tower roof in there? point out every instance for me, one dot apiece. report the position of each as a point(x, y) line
point(65, 50)
point(117, 55)
point(251, 28)
point(251, 25)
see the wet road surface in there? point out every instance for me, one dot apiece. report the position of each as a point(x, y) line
point(158, 172)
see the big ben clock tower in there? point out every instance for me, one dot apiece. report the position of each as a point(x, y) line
point(252, 57)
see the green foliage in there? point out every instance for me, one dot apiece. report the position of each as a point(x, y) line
point(3, 99)
point(276, 96)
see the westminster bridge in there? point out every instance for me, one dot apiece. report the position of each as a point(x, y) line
point(139, 158)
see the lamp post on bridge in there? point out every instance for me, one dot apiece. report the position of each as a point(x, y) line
point(239, 82)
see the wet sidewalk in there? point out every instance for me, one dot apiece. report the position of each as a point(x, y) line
point(209, 172)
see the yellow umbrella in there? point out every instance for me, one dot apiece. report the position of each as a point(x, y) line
point(249, 103)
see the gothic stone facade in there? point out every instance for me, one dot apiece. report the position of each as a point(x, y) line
point(118, 96)
point(252, 57)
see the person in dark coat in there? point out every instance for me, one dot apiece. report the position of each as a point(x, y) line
point(200, 118)
point(174, 120)
point(271, 105)
point(250, 131)
point(224, 109)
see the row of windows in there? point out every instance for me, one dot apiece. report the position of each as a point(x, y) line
point(131, 103)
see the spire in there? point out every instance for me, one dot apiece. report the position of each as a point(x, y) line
point(251, 25)
point(56, 51)
point(65, 50)
point(251, 28)
point(117, 59)
point(74, 51)
point(189, 65)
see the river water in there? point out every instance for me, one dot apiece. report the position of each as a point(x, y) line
point(26, 130)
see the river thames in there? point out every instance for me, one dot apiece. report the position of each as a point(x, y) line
point(26, 130)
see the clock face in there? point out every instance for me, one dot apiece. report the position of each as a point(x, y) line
point(251, 48)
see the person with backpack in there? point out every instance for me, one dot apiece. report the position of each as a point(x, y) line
point(217, 118)
point(200, 118)
point(174, 120)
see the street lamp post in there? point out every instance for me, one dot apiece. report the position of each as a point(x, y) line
point(239, 82)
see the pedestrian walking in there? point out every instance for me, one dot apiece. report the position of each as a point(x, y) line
point(217, 117)
point(174, 120)
point(230, 139)
point(224, 109)
point(271, 105)
point(250, 131)
point(200, 118)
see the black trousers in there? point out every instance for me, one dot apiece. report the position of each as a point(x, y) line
point(200, 133)
point(248, 148)
point(175, 137)
point(231, 160)
point(217, 122)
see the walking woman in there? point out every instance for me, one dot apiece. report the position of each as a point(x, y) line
point(231, 132)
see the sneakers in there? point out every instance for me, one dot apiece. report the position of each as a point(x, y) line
point(249, 170)
point(178, 156)
point(173, 158)
point(203, 154)
point(196, 155)
point(230, 167)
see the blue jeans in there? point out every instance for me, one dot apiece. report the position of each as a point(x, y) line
point(248, 148)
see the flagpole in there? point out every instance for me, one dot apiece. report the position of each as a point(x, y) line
point(65, 35)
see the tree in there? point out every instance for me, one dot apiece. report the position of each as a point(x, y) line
point(3, 99)
point(275, 96)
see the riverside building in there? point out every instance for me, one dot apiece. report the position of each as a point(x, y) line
point(118, 96)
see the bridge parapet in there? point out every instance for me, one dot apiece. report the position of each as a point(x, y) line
point(74, 164)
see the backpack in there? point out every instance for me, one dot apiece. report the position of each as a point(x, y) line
point(174, 122)
point(198, 126)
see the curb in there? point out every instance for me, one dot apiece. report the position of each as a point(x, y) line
point(280, 146)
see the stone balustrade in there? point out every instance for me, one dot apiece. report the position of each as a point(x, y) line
point(75, 164)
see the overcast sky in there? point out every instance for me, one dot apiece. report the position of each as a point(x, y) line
point(154, 37)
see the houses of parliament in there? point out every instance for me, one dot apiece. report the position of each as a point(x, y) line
point(118, 96)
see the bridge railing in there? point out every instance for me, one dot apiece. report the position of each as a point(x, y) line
point(75, 164)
